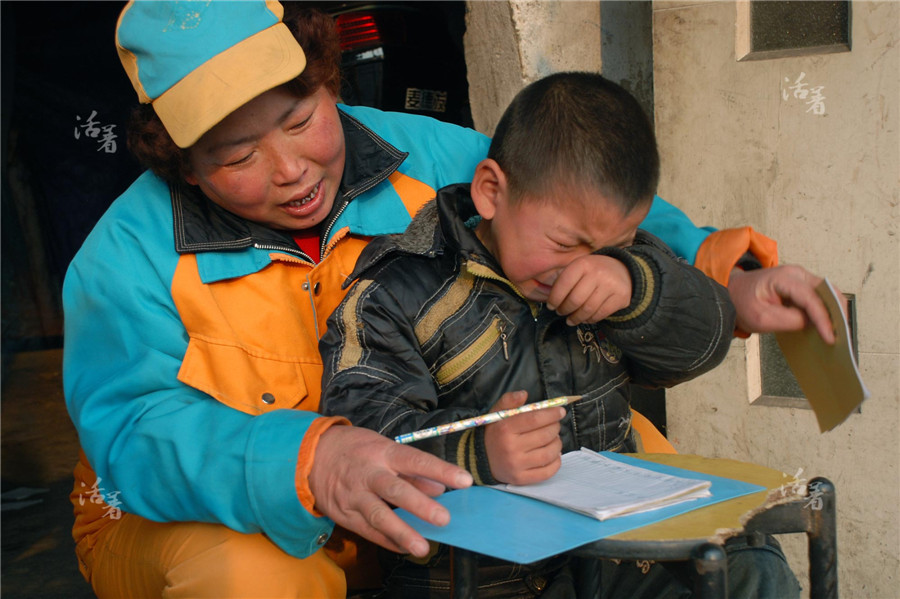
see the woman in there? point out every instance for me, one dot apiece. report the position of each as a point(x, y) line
point(193, 310)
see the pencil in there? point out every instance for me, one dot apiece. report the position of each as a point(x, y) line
point(461, 425)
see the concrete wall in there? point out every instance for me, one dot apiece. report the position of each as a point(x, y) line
point(736, 152)
point(511, 44)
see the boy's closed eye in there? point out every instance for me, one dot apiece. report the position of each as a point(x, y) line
point(564, 246)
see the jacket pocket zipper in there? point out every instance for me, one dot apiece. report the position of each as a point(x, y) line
point(465, 360)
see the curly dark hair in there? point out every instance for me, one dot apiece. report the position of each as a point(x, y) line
point(148, 139)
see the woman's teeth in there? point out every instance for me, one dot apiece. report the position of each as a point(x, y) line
point(305, 200)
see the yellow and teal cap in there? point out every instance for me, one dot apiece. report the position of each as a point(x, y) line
point(198, 61)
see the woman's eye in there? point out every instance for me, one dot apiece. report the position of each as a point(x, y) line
point(239, 161)
point(301, 124)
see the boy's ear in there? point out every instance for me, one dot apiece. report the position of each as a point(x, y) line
point(488, 187)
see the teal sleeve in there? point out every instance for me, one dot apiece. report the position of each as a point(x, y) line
point(170, 452)
point(440, 153)
point(674, 227)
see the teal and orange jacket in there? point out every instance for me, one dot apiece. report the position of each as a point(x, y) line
point(191, 367)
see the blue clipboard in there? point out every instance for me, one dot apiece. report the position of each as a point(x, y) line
point(523, 530)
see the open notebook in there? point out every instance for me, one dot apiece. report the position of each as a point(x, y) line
point(522, 530)
point(595, 485)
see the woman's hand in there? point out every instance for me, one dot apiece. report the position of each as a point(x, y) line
point(358, 475)
point(778, 299)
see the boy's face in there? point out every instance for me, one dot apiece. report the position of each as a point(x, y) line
point(537, 237)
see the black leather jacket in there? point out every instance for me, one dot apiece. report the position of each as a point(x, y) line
point(432, 332)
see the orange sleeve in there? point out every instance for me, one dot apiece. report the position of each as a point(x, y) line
point(307, 454)
point(720, 252)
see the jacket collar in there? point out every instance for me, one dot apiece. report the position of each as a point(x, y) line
point(447, 222)
point(203, 226)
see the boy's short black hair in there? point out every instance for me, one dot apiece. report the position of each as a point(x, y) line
point(581, 130)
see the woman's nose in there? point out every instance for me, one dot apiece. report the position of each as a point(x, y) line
point(288, 164)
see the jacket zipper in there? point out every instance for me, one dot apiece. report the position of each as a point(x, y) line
point(327, 232)
point(462, 362)
point(348, 197)
point(283, 248)
point(501, 329)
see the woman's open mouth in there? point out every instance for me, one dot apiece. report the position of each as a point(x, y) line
point(305, 205)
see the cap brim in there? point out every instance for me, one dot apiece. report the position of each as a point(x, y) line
point(227, 81)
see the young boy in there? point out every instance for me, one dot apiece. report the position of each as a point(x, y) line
point(530, 283)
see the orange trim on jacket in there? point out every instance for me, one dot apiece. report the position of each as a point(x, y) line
point(720, 252)
point(305, 459)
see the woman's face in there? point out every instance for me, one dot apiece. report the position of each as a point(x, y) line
point(277, 160)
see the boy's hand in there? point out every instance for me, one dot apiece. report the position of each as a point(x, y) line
point(589, 289)
point(524, 448)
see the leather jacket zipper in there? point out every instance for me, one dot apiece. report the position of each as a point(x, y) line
point(501, 328)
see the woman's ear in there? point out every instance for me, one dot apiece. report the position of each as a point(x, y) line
point(488, 187)
point(189, 177)
point(187, 168)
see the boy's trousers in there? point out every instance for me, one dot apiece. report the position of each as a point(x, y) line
point(760, 572)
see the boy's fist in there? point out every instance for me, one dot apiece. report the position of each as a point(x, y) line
point(524, 448)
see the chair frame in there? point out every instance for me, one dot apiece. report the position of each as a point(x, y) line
point(814, 515)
